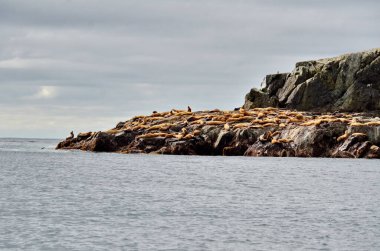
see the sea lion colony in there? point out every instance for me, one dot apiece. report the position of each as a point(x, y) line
point(185, 125)
point(255, 132)
point(346, 83)
point(166, 124)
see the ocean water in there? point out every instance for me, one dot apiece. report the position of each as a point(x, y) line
point(71, 200)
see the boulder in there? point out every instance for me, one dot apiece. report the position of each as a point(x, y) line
point(272, 83)
point(100, 142)
point(354, 147)
point(259, 98)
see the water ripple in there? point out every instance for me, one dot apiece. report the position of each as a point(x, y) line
point(55, 200)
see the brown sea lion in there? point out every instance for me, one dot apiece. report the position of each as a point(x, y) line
point(71, 135)
point(373, 123)
point(343, 137)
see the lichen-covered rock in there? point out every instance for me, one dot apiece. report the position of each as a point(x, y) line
point(349, 83)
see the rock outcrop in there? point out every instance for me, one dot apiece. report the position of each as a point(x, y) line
point(323, 108)
point(255, 132)
point(349, 83)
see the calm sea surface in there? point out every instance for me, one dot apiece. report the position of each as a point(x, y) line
point(70, 200)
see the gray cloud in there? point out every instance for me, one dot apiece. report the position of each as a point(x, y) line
point(87, 64)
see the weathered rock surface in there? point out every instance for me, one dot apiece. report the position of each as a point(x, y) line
point(349, 83)
point(255, 132)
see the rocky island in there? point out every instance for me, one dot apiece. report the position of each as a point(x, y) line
point(323, 108)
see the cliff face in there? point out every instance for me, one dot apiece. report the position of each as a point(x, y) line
point(349, 83)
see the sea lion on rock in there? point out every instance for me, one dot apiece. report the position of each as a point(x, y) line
point(219, 118)
point(373, 123)
point(215, 122)
point(153, 135)
point(273, 134)
point(343, 137)
point(84, 134)
point(275, 141)
point(265, 137)
point(357, 124)
point(294, 120)
point(215, 110)
point(359, 134)
point(113, 131)
point(374, 148)
point(315, 122)
point(260, 115)
point(284, 140)
point(198, 122)
point(160, 127)
point(184, 131)
point(71, 136)
point(241, 125)
point(269, 125)
point(188, 136)
point(196, 132)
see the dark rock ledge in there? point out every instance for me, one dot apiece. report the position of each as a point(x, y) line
point(255, 132)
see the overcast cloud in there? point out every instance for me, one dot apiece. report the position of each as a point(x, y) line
point(85, 65)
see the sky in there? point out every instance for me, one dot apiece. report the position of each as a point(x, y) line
point(86, 65)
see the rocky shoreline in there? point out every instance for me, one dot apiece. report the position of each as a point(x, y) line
point(255, 132)
point(339, 97)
